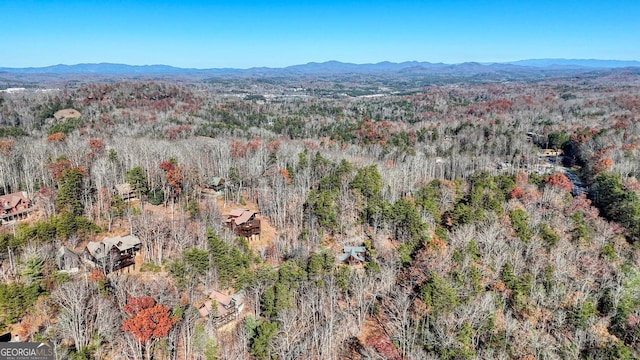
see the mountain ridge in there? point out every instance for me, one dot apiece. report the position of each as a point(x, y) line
point(334, 67)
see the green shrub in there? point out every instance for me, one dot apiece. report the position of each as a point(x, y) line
point(608, 252)
point(155, 196)
point(229, 261)
point(438, 294)
point(16, 300)
point(549, 236)
point(584, 314)
point(519, 222)
point(150, 267)
point(66, 127)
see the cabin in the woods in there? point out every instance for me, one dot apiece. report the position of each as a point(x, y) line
point(67, 260)
point(227, 307)
point(551, 152)
point(125, 191)
point(15, 206)
point(114, 253)
point(353, 255)
point(243, 222)
point(214, 183)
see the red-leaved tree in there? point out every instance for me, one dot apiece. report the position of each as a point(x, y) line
point(173, 175)
point(560, 181)
point(147, 321)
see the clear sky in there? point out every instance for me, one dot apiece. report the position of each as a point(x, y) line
point(243, 34)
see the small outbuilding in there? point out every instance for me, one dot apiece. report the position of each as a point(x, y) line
point(67, 260)
point(124, 190)
point(215, 183)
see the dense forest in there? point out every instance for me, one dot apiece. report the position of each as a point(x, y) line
point(490, 220)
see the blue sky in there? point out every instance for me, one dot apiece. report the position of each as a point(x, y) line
point(242, 34)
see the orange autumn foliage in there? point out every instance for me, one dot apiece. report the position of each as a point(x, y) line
point(285, 175)
point(148, 320)
point(560, 181)
point(516, 193)
point(96, 145)
point(57, 137)
point(603, 165)
point(57, 167)
point(173, 175)
point(96, 275)
point(6, 146)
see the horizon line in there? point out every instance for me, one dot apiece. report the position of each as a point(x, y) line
point(512, 62)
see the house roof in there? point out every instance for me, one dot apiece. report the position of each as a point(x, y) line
point(10, 201)
point(215, 181)
point(356, 252)
point(124, 189)
point(100, 249)
point(66, 256)
point(64, 251)
point(223, 301)
point(237, 212)
point(96, 249)
point(122, 242)
point(220, 297)
point(244, 217)
point(240, 216)
point(205, 310)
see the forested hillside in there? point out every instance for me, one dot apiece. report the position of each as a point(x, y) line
point(486, 220)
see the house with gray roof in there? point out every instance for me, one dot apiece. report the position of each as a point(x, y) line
point(353, 255)
point(67, 260)
point(113, 253)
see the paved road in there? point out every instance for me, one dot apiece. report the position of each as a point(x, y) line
point(578, 187)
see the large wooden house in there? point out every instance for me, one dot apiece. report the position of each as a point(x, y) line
point(243, 222)
point(114, 253)
point(15, 206)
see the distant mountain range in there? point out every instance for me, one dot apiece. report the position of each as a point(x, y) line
point(589, 63)
point(336, 68)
